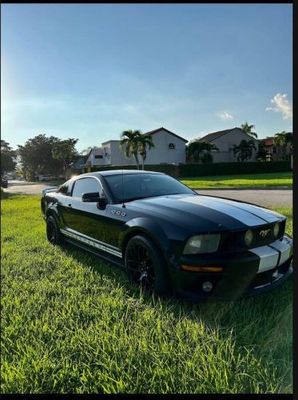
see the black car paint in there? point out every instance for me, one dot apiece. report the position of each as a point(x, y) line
point(168, 227)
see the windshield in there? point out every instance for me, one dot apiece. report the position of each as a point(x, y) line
point(138, 186)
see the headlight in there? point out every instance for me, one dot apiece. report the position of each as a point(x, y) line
point(248, 238)
point(202, 244)
point(276, 229)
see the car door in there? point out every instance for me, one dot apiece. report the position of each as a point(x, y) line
point(86, 220)
point(79, 215)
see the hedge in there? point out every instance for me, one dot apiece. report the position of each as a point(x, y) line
point(193, 170)
point(233, 168)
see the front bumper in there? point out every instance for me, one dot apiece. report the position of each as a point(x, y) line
point(247, 273)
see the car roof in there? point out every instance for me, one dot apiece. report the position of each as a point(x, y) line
point(118, 172)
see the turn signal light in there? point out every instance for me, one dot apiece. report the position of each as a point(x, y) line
point(197, 268)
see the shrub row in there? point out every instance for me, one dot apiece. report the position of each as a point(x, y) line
point(193, 170)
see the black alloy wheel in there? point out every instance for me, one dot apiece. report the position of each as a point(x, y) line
point(145, 265)
point(53, 233)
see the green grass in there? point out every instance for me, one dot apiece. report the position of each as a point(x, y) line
point(72, 323)
point(260, 181)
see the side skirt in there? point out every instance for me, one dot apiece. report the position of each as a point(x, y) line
point(106, 257)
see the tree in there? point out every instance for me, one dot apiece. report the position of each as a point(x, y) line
point(206, 158)
point(64, 151)
point(248, 129)
point(262, 153)
point(284, 141)
point(145, 141)
point(38, 155)
point(244, 150)
point(196, 147)
point(7, 157)
point(130, 143)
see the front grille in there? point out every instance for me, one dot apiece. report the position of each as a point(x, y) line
point(235, 240)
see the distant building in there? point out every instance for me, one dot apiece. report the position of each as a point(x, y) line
point(169, 148)
point(276, 153)
point(225, 142)
point(270, 148)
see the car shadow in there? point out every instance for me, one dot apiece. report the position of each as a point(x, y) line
point(223, 314)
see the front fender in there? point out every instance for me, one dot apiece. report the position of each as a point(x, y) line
point(51, 209)
point(145, 226)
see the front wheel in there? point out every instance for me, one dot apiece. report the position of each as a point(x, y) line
point(54, 235)
point(145, 265)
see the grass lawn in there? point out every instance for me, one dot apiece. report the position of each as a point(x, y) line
point(260, 181)
point(72, 323)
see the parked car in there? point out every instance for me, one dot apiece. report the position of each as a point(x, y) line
point(4, 182)
point(41, 178)
point(169, 238)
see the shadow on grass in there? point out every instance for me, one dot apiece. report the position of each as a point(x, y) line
point(240, 315)
point(10, 196)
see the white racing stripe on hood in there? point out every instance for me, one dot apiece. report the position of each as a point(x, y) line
point(231, 209)
point(268, 215)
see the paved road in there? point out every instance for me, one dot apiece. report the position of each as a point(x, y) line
point(266, 198)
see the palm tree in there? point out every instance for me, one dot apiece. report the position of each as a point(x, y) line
point(262, 154)
point(282, 141)
point(130, 143)
point(248, 129)
point(145, 141)
point(244, 150)
point(195, 148)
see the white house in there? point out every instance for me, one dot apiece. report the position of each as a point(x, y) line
point(225, 141)
point(169, 148)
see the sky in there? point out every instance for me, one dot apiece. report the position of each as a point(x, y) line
point(91, 71)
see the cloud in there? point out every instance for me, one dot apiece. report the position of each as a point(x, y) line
point(225, 116)
point(281, 104)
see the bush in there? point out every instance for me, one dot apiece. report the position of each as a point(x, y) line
point(192, 170)
point(209, 169)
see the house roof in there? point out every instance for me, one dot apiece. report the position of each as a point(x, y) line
point(268, 141)
point(112, 140)
point(151, 133)
point(215, 135)
point(162, 128)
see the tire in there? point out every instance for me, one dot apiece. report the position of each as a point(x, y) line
point(54, 235)
point(145, 265)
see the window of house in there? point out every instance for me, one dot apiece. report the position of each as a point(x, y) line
point(98, 156)
point(172, 146)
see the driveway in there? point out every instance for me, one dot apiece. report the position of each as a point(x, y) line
point(21, 187)
point(266, 198)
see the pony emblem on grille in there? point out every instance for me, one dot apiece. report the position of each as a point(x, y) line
point(264, 233)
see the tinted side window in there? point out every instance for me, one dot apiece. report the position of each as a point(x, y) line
point(63, 189)
point(85, 185)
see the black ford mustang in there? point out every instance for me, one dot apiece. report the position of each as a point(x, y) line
point(168, 237)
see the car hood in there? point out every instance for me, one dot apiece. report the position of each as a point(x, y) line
point(206, 213)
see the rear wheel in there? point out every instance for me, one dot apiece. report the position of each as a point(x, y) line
point(145, 265)
point(54, 235)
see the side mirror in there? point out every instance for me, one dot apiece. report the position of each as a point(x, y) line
point(102, 202)
point(90, 197)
